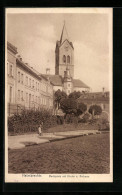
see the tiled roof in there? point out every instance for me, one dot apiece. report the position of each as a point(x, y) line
point(12, 47)
point(79, 83)
point(55, 79)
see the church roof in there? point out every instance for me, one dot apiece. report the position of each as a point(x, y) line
point(79, 83)
point(64, 34)
point(57, 80)
point(63, 38)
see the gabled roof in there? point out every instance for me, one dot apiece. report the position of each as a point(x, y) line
point(79, 83)
point(68, 42)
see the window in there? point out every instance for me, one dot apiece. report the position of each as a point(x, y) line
point(26, 97)
point(22, 95)
point(11, 70)
point(33, 83)
point(22, 78)
point(10, 97)
point(64, 58)
point(26, 81)
point(69, 85)
point(29, 98)
point(19, 95)
point(38, 86)
point(68, 59)
point(18, 77)
point(33, 98)
point(29, 82)
point(38, 100)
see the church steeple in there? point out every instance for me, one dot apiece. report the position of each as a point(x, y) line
point(64, 54)
point(64, 34)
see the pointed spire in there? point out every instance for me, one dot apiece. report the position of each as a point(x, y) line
point(64, 34)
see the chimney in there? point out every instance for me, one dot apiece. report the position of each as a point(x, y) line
point(47, 70)
point(103, 91)
point(19, 57)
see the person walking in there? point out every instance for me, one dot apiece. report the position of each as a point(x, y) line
point(40, 130)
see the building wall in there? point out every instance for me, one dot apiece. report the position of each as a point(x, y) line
point(81, 89)
point(33, 92)
point(55, 88)
point(27, 92)
point(25, 88)
point(11, 76)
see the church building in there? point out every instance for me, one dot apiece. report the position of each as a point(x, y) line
point(64, 67)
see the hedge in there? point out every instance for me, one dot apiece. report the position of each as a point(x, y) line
point(29, 121)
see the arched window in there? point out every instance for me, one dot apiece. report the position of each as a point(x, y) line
point(68, 59)
point(64, 58)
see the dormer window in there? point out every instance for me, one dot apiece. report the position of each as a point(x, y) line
point(64, 58)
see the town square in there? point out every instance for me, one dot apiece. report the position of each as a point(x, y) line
point(58, 93)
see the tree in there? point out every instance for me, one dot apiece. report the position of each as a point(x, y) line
point(75, 95)
point(81, 108)
point(58, 96)
point(69, 106)
point(95, 110)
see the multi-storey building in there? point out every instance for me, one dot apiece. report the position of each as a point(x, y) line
point(11, 73)
point(27, 89)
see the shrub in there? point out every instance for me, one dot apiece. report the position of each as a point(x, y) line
point(86, 118)
point(71, 118)
point(103, 124)
point(95, 109)
point(60, 120)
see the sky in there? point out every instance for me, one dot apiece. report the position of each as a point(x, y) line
point(35, 36)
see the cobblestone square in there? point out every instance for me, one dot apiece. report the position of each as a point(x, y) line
point(87, 154)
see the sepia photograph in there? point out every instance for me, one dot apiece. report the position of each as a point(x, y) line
point(58, 95)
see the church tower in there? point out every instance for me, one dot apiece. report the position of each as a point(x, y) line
point(64, 54)
point(68, 84)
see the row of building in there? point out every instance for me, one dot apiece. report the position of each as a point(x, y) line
point(26, 88)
